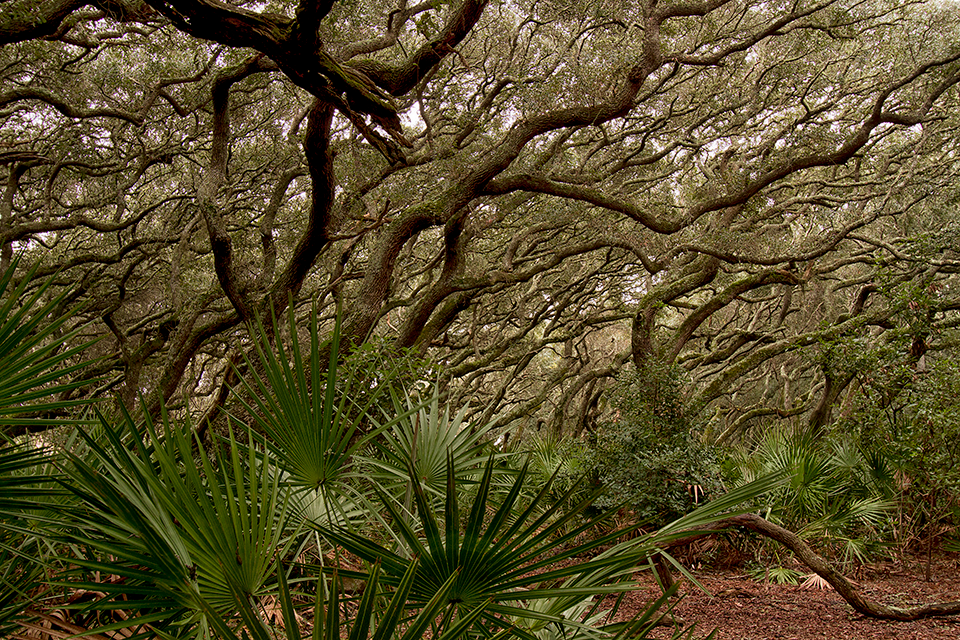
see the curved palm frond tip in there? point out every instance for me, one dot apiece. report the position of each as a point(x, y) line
point(37, 361)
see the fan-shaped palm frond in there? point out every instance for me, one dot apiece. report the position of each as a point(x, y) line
point(507, 558)
point(421, 439)
point(36, 365)
point(525, 560)
point(304, 413)
point(186, 533)
point(36, 361)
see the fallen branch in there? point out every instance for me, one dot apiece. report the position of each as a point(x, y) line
point(845, 587)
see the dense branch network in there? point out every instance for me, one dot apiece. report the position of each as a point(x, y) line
point(532, 195)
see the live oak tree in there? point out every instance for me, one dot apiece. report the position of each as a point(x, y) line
point(533, 194)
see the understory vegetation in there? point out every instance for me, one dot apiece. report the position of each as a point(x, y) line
point(345, 499)
point(127, 524)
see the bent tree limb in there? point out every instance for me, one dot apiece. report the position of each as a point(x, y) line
point(822, 568)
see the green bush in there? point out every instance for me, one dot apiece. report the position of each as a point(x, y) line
point(902, 402)
point(647, 455)
point(912, 417)
point(838, 495)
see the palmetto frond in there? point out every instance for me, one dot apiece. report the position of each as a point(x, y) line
point(302, 405)
point(508, 558)
point(36, 362)
point(422, 438)
point(36, 365)
point(187, 534)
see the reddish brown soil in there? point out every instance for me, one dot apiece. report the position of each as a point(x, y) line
point(742, 609)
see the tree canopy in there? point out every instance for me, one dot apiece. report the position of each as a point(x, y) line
point(531, 194)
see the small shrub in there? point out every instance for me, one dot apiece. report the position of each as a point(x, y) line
point(838, 496)
point(776, 574)
point(647, 455)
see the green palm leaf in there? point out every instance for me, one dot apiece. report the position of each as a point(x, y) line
point(189, 534)
point(422, 438)
point(35, 365)
point(522, 559)
point(380, 613)
point(304, 414)
point(34, 361)
point(508, 558)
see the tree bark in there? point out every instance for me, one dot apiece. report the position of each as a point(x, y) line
point(847, 590)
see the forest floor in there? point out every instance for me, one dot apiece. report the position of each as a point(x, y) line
point(740, 608)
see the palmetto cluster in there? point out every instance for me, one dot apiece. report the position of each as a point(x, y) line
point(134, 525)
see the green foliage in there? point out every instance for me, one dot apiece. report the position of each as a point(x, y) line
point(304, 410)
point(191, 535)
point(21, 568)
point(36, 361)
point(901, 400)
point(303, 405)
point(423, 436)
point(648, 455)
point(388, 623)
point(913, 420)
point(515, 555)
point(776, 574)
point(562, 461)
point(594, 619)
point(520, 563)
point(838, 493)
point(38, 369)
point(181, 538)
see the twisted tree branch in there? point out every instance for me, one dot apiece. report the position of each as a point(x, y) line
point(847, 590)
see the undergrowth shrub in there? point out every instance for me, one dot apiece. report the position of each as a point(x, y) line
point(839, 494)
point(647, 454)
point(912, 417)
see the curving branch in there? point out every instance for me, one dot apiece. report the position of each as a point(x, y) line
point(316, 236)
point(292, 44)
point(597, 197)
point(847, 590)
point(400, 79)
point(18, 24)
point(64, 107)
point(452, 202)
point(29, 19)
point(216, 176)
